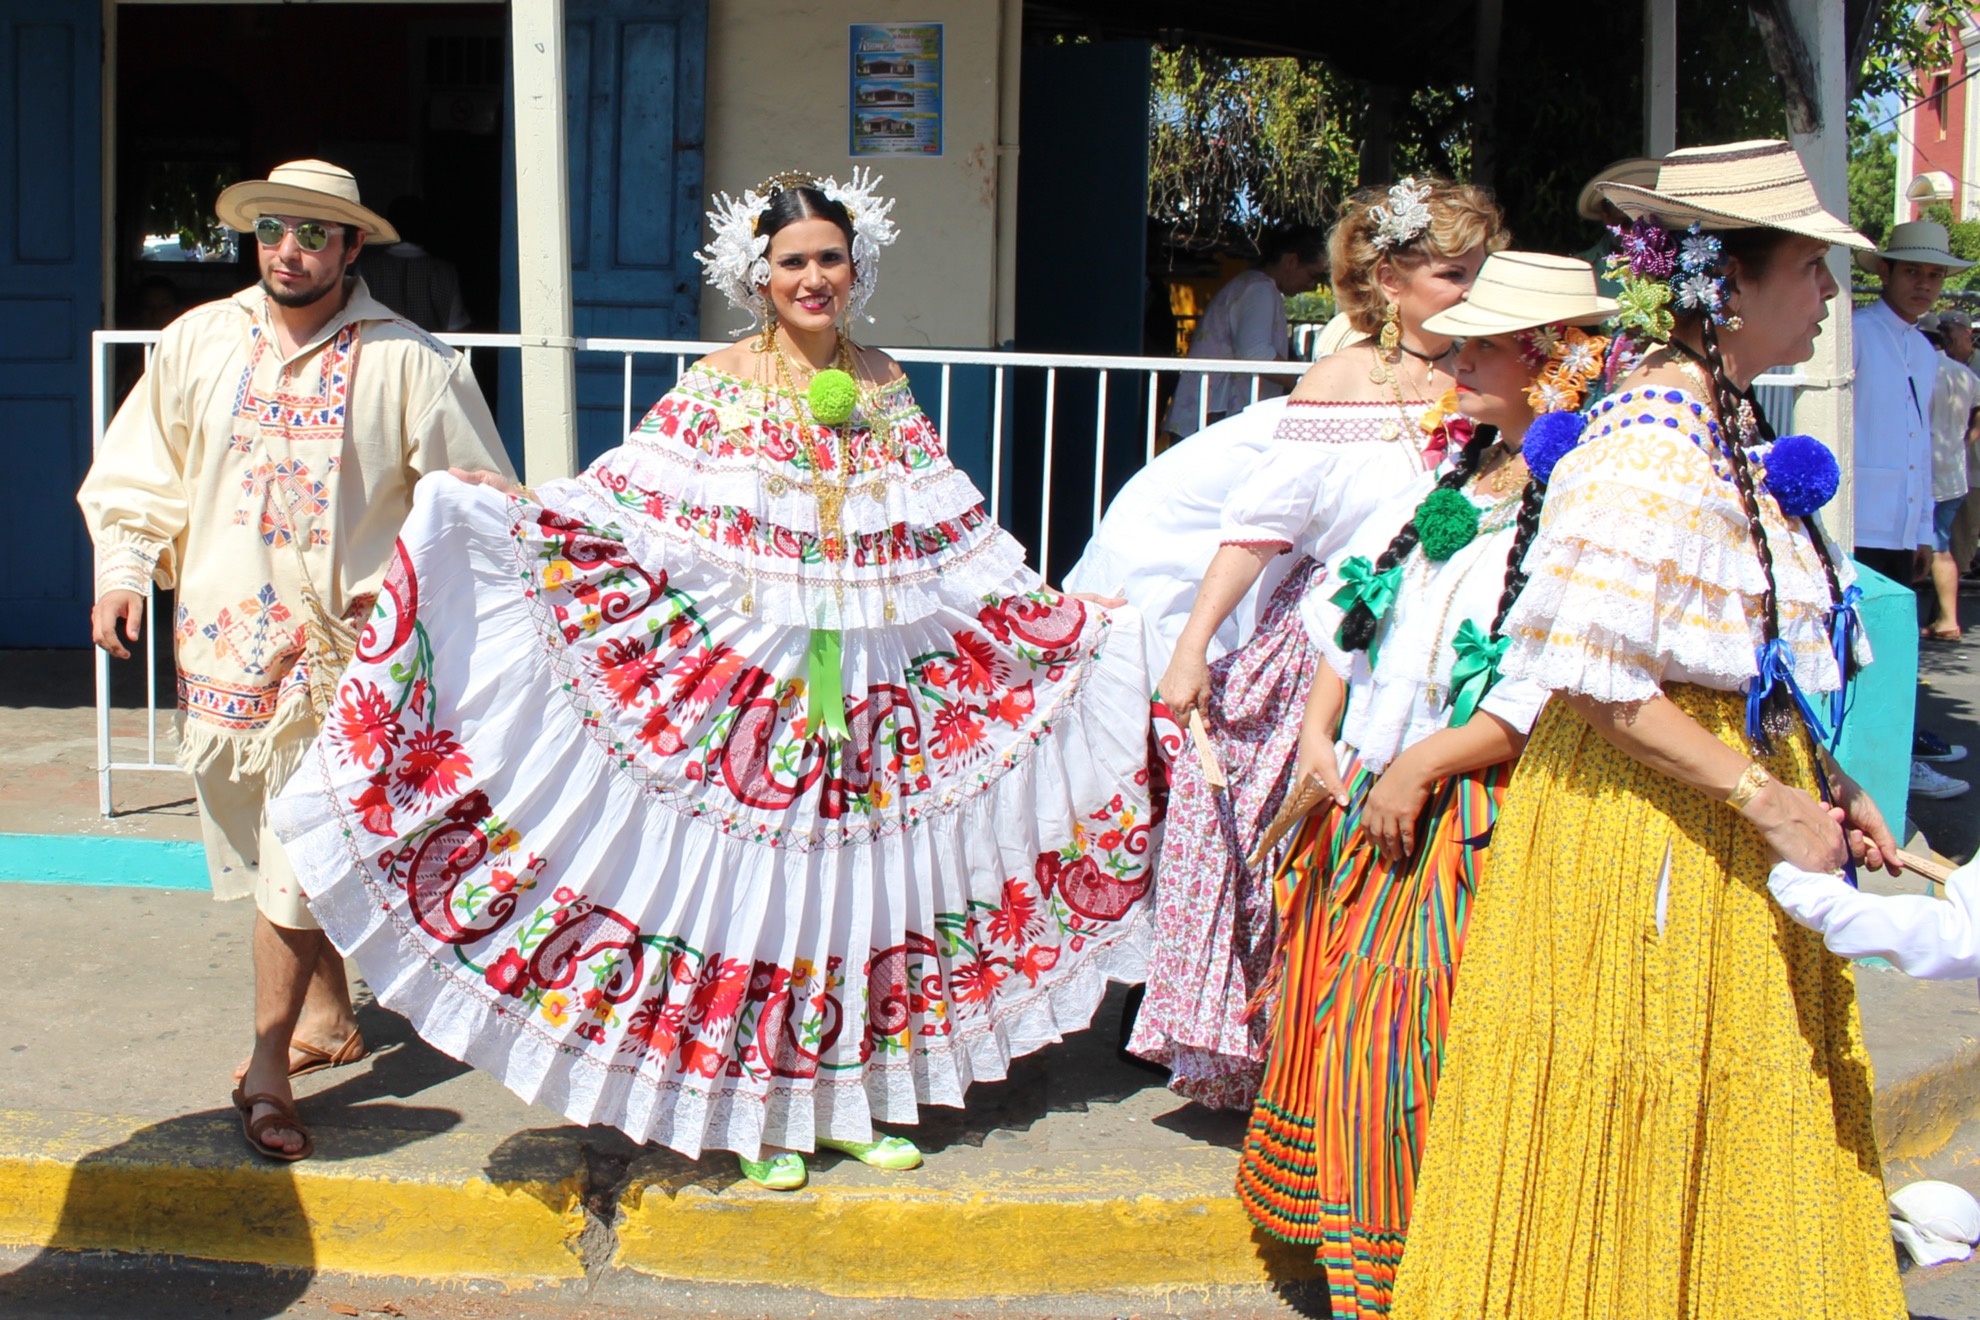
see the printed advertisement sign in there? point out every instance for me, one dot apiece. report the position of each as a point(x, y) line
point(896, 102)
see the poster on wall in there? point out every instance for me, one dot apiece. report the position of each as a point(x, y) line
point(896, 103)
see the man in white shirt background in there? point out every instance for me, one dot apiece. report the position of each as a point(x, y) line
point(1955, 394)
point(1247, 319)
point(1896, 377)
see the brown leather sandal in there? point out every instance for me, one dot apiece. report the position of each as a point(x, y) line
point(353, 1050)
point(285, 1116)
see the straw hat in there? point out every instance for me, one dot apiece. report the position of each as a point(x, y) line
point(1922, 241)
point(1743, 185)
point(1637, 170)
point(1521, 290)
point(309, 189)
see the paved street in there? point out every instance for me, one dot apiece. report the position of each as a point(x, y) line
point(1073, 1117)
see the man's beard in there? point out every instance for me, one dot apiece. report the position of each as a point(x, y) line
point(300, 297)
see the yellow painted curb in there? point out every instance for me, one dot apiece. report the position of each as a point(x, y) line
point(1916, 1115)
point(1023, 1234)
point(367, 1203)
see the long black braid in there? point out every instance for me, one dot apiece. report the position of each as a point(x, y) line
point(1530, 504)
point(1777, 716)
point(1357, 630)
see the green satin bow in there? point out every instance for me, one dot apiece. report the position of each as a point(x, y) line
point(1367, 587)
point(1476, 670)
point(825, 685)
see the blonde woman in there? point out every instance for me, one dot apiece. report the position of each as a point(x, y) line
point(1359, 427)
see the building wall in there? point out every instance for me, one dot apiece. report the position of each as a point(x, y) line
point(1923, 149)
point(778, 83)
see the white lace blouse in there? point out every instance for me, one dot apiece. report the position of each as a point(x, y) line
point(1644, 571)
point(1404, 697)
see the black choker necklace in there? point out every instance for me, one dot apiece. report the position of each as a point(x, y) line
point(1427, 359)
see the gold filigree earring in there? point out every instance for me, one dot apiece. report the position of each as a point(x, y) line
point(1389, 351)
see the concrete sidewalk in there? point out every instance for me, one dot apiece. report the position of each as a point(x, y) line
point(1078, 1175)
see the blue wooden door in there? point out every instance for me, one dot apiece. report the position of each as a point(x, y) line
point(635, 72)
point(51, 212)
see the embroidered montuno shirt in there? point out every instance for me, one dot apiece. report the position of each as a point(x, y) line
point(1644, 572)
point(226, 459)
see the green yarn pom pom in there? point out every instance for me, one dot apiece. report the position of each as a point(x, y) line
point(832, 396)
point(1446, 522)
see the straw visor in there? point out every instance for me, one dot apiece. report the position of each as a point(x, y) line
point(1522, 290)
point(306, 190)
point(1743, 185)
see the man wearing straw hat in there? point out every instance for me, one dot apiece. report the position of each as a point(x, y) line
point(1896, 380)
point(262, 467)
point(1895, 374)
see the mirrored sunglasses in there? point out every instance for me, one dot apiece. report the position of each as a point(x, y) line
point(311, 235)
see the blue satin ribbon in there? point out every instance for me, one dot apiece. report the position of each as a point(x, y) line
point(1844, 623)
point(1776, 666)
point(1475, 670)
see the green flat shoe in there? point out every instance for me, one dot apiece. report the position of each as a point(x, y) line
point(893, 1153)
point(782, 1172)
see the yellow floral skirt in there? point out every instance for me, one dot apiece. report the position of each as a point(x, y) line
point(1656, 1098)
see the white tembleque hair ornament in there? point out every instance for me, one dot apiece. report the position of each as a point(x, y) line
point(1406, 215)
point(736, 260)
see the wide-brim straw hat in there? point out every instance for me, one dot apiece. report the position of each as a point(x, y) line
point(1523, 290)
point(1637, 170)
point(307, 190)
point(1922, 241)
point(1742, 185)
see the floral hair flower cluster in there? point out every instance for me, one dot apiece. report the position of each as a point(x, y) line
point(1567, 358)
point(1406, 215)
point(736, 261)
point(1662, 274)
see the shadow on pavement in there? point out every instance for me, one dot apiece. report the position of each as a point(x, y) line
point(188, 1186)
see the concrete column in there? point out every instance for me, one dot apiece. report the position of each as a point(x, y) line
point(1010, 68)
point(1823, 406)
point(543, 242)
point(1660, 77)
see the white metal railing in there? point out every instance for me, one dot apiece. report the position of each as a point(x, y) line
point(1777, 392)
point(1108, 373)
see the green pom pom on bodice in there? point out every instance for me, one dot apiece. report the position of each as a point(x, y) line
point(831, 397)
point(1446, 522)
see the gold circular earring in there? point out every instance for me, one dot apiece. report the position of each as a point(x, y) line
point(1389, 350)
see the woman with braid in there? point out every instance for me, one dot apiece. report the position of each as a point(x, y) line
point(1360, 426)
point(1379, 878)
point(1656, 1098)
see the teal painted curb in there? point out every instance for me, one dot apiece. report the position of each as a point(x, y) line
point(1876, 741)
point(88, 859)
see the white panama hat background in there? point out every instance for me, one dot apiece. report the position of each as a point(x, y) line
point(308, 189)
point(1923, 241)
point(1522, 290)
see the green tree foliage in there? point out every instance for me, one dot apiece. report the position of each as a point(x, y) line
point(1964, 240)
point(1872, 180)
point(1238, 144)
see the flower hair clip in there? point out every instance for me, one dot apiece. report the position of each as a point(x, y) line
point(736, 260)
point(1662, 275)
point(1572, 359)
point(1404, 217)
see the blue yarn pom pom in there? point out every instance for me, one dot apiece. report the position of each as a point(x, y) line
point(1550, 437)
point(1801, 474)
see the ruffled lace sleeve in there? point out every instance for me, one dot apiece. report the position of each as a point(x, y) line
point(1643, 561)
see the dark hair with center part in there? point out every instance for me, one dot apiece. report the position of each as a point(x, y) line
point(791, 205)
